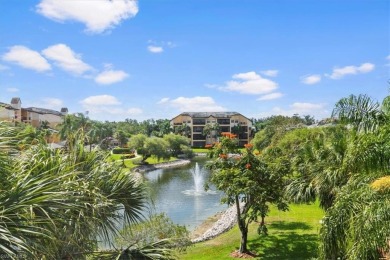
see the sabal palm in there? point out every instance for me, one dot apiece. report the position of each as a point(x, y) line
point(56, 204)
point(364, 113)
point(357, 225)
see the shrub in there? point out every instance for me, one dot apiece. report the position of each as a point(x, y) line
point(128, 156)
point(122, 151)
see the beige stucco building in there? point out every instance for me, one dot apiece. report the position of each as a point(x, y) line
point(228, 122)
point(34, 116)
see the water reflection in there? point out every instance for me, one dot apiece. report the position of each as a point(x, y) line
point(179, 192)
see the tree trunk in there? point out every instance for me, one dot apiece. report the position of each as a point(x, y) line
point(243, 228)
point(244, 240)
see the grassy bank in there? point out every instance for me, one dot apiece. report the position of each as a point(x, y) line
point(134, 162)
point(292, 235)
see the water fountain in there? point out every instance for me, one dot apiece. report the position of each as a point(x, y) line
point(180, 193)
point(198, 180)
point(198, 177)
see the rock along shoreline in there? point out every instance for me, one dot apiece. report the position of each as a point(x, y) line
point(151, 167)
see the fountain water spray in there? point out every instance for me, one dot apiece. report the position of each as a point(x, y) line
point(197, 174)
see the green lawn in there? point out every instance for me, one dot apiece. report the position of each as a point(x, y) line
point(292, 235)
point(200, 150)
point(131, 163)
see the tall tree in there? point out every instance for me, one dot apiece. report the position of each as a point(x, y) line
point(247, 183)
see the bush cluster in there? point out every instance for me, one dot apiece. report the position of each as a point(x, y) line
point(122, 151)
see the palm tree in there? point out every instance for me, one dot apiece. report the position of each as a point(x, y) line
point(56, 204)
point(362, 112)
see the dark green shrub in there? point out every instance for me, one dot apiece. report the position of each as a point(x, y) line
point(122, 151)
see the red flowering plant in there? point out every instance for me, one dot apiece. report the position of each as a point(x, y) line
point(246, 182)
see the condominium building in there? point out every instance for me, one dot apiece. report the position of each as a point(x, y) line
point(193, 125)
point(34, 116)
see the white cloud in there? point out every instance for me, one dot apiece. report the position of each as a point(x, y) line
point(163, 100)
point(65, 58)
point(194, 104)
point(111, 76)
point(271, 96)
point(311, 79)
point(106, 107)
point(48, 102)
point(12, 90)
point(53, 103)
point(270, 73)
point(98, 16)
point(155, 49)
point(388, 57)
point(134, 111)
point(105, 100)
point(250, 83)
point(306, 107)
point(26, 58)
point(207, 85)
point(318, 110)
point(339, 73)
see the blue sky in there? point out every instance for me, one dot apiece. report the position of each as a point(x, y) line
point(157, 58)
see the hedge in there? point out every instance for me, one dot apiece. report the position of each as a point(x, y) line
point(121, 151)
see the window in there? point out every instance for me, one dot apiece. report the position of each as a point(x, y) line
point(223, 121)
point(199, 121)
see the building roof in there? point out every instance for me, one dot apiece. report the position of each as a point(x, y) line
point(7, 106)
point(208, 114)
point(213, 114)
point(43, 111)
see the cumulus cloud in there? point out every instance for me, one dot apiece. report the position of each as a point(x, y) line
point(270, 73)
point(105, 107)
point(98, 16)
point(26, 58)
point(207, 85)
point(163, 100)
point(53, 103)
point(159, 46)
point(134, 111)
point(65, 58)
point(318, 110)
point(47, 102)
point(155, 49)
point(339, 73)
point(12, 90)
point(111, 76)
point(250, 83)
point(311, 79)
point(105, 100)
point(271, 96)
point(193, 104)
point(306, 107)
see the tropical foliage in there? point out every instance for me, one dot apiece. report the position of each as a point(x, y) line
point(58, 204)
point(343, 164)
point(357, 224)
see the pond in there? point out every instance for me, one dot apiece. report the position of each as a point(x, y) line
point(179, 192)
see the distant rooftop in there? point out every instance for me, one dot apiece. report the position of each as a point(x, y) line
point(43, 111)
point(208, 114)
point(5, 105)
